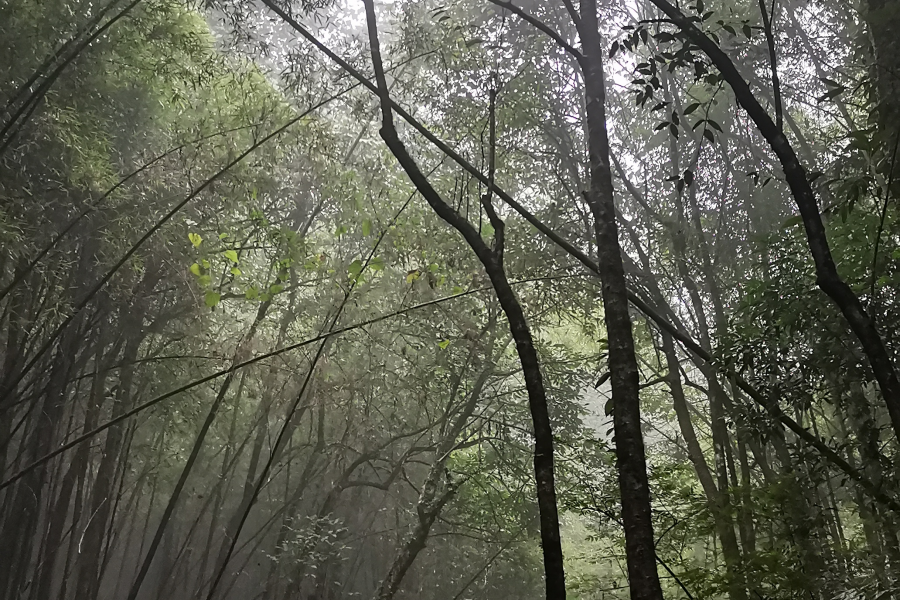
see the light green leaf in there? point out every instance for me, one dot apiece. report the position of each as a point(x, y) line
point(443, 344)
point(195, 269)
point(235, 271)
point(252, 293)
point(274, 289)
point(212, 298)
point(232, 256)
point(376, 264)
point(195, 238)
point(366, 227)
point(487, 230)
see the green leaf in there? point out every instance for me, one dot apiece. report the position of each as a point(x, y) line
point(195, 269)
point(487, 230)
point(366, 228)
point(341, 230)
point(235, 271)
point(195, 238)
point(831, 94)
point(376, 264)
point(896, 254)
point(275, 289)
point(708, 134)
point(204, 280)
point(691, 108)
point(212, 298)
point(232, 256)
point(795, 220)
point(252, 293)
point(608, 408)
point(412, 275)
point(355, 268)
point(458, 290)
point(444, 344)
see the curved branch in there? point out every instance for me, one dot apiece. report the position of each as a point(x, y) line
point(540, 26)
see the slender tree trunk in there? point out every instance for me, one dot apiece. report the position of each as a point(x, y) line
point(88, 567)
point(60, 514)
point(717, 499)
point(436, 491)
point(630, 454)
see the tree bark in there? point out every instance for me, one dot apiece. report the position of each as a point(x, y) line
point(630, 454)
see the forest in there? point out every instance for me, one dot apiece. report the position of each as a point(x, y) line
point(449, 299)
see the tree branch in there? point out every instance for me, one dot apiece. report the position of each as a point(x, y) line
point(827, 277)
point(540, 26)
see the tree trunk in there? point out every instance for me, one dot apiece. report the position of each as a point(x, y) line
point(630, 454)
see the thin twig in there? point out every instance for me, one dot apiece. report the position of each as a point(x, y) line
point(767, 19)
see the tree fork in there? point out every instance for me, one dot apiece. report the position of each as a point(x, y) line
point(537, 398)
